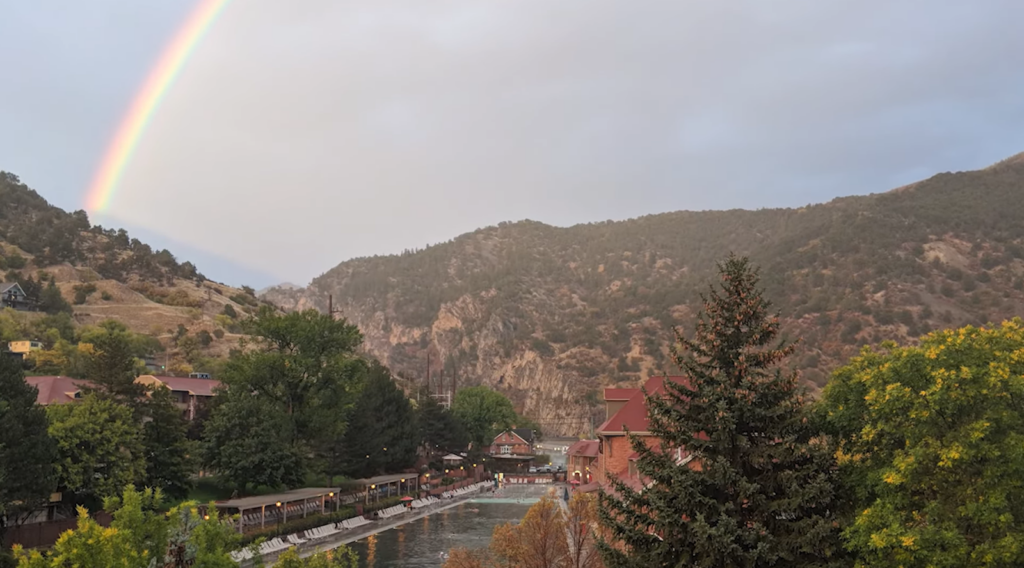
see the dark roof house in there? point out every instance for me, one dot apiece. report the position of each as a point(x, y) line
point(526, 434)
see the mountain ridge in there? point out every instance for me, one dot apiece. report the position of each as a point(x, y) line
point(549, 314)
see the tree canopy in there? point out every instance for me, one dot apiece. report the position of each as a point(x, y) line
point(382, 433)
point(26, 450)
point(484, 413)
point(99, 447)
point(140, 537)
point(288, 397)
point(931, 443)
point(736, 476)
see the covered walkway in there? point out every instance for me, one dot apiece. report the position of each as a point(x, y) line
point(260, 509)
point(384, 486)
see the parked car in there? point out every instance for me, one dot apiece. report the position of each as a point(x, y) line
point(533, 469)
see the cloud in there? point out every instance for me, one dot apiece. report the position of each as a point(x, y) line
point(302, 134)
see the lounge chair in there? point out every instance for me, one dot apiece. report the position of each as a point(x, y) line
point(294, 539)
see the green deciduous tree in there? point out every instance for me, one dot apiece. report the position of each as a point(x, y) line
point(249, 440)
point(301, 374)
point(140, 536)
point(763, 494)
point(484, 413)
point(382, 432)
point(931, 445)
point(99, 447)
point(26, 449)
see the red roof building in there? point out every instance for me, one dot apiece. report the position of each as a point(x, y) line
point(188, 393)
point(582, 461)
point(616, 456)
point(57, 390)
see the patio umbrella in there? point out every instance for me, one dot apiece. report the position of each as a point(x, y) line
point(407, 498)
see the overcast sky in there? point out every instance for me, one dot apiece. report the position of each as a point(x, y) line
point(301, 134)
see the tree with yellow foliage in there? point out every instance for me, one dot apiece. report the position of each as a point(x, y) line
point(139, 537)
point(549, 536)
point(931, 445)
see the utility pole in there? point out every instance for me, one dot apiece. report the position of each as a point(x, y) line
point(428, 372)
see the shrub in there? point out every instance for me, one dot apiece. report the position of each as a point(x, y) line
point(16, 261)
point(218, 333)
point(300, 524)
point(229, 311)
point(105, 296)
point(244, 300)
point(182, 299)
point(542, 347)
point(82, 292)
point(204, 337)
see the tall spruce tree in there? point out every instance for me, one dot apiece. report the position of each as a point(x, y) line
point(382, 434)
point(758, 488)
point(27, 452)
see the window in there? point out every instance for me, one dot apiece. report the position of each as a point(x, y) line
point(506, 450)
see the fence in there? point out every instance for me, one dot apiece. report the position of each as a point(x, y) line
point(41, 535)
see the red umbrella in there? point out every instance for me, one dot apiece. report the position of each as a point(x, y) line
point(407, 498)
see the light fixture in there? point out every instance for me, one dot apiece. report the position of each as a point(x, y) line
point(373, 486)
point(278, 503)
point(403, 481)
point(331, 494)
point(206, 517)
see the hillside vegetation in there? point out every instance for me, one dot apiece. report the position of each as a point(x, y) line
point(549, 315)
point(83, 274)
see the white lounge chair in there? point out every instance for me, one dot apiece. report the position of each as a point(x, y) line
point(294, 539)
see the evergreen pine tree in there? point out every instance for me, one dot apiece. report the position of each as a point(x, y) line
point(27, 452)
point(381, 435)
point(757, 489)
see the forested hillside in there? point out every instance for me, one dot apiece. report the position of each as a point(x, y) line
point(82, 274)
point(549, 315)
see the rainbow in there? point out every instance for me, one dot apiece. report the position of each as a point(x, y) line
point(144, 106)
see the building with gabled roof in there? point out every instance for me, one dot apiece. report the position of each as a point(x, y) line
point(190, 394)
point(616, 457)
point(510, 444)
point(57, 390)
point(582, 460)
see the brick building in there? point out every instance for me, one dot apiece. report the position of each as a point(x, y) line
point(582, 461)
point(626, 409)
point(517, 442)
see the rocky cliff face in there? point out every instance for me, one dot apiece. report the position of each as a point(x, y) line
point(550, 315)
point(467, 344)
